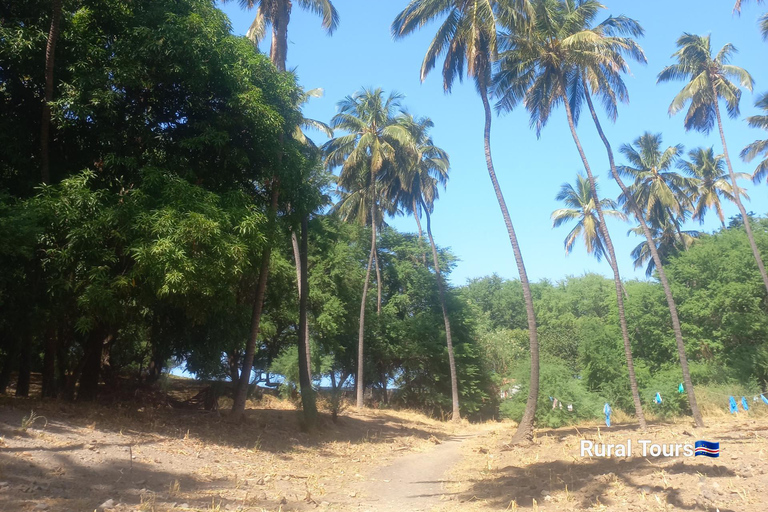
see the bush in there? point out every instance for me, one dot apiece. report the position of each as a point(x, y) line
point(555, 380)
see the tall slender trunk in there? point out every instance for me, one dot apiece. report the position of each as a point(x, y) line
point(378, 280)
point(305, 330)
point(241, 391)
point(448, 337)
point(278, 51)
point(25, 366)
point(49, 364)
point(7, 368)
point(359, 380)
point(91, 374)
point(737, 198)
point(525, 428)
point(615, 268)
point(305, 378)
point(421, 232)
point(45, 125)
point(659, 267)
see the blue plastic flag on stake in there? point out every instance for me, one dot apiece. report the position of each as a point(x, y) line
point(764, 399)
point(657, 399)
point(607, 411)
point(680, 388)
point(732, 403)
point(744, 403)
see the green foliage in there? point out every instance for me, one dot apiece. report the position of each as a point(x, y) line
point(556, 381)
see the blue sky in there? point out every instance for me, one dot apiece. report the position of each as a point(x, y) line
point(467, 217)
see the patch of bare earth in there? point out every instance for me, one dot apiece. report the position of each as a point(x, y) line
point(128, 457)
point(551, 475)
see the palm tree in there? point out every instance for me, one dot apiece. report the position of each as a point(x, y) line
point(581, 206)
point(546, 67)
point(610, 88)
point(759, 147)
point(467, 39)
point(370, 146)
point(668, 239)
point(708, 81)
point(426, 169)
point(709, 183)
point(659, 191)
point(277, 14)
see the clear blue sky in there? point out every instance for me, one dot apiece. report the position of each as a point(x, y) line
point(467, 217)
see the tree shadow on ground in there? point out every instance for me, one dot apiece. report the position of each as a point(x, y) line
point(67, 484)
point(590, 482)
point(266, 429)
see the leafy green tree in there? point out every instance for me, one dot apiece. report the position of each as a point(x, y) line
point(468, 37)
point(668, 239)
point(545, 67)
point(710, 184)
point(708, 81)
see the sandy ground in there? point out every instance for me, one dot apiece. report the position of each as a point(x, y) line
point(552, 475)
point(129, 457)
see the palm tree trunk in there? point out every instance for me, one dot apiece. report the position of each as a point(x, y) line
point(45, 126)
point(615, 268)
point(378, 279)
point(659, 267)
point(737, 198)
point(421, 232)
point(359, 382)
point(456, 416)
point(305, 330)
point(525, 428)
point(241, 391)
point(278, 50)
point(305, 378)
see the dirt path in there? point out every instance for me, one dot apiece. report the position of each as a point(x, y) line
point(414, 482)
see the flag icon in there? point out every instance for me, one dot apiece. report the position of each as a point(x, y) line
point(707, 448)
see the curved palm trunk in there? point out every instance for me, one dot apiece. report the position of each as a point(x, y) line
point(615, 268)
point(50, 54)
point(378, 280)
point(525, 428)
point(308, 405)
point(456, 416)
point(359, 381)
point(304, 330)
point(421, 232)
point(737, 199)
point(241, 391)
point(659, 267)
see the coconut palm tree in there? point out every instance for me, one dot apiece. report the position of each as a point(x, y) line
point(668, 239)
point(467, 41)
point(708, 81)
point(546, 67)
point(372, 144)
point(50, 57)
point(657, 188)
point(277, 14)
point(580, 203)
point(759, 147)
point(709, 182)
point(426, 169)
